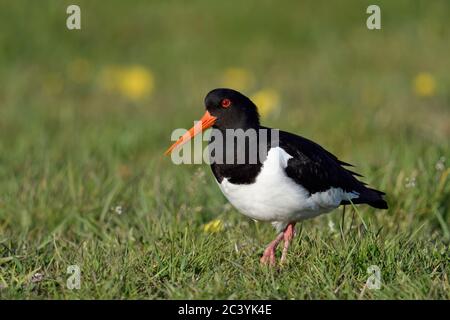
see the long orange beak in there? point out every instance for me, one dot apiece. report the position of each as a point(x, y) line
point(207, 121)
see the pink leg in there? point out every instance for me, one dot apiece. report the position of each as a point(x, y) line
point(269, 254)
point(288, 234)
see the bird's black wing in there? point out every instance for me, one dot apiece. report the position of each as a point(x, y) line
point(318, 170)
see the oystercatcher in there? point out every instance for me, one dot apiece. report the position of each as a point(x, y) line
point(293, 179)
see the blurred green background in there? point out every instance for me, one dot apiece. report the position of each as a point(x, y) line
point(85, 116)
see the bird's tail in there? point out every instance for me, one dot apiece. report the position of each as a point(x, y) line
point(372, 197)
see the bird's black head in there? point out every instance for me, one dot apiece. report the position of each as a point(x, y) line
point(225, 109)
point(232, 109)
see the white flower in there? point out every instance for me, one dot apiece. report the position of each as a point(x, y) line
point(331, 226)
point(118, 209)
point(440, 165)
point(37, 277)
point(410, 182)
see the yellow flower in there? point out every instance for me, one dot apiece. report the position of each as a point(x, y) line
point(267, 101)
point(237, 78)
point(213, 226)
point(424, 85)
point(78, 70)
point(135, 82)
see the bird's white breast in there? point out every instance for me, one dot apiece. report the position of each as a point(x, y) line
point(276, 197)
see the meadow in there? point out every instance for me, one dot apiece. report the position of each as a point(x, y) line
point(86, 115)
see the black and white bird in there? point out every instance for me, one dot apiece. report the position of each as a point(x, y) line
point(294, 180)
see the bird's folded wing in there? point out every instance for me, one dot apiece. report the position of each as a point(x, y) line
point(315, 168)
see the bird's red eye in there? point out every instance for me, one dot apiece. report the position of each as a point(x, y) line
point(226, 103)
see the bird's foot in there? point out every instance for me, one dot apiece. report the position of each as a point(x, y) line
point(268, 256)
point(287, 235)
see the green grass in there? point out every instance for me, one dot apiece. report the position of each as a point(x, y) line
point(71, 151)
